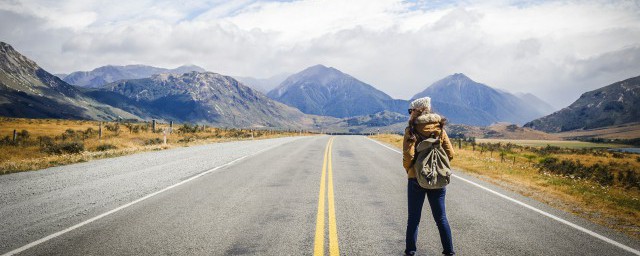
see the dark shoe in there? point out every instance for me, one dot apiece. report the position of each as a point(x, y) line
point(411, 253)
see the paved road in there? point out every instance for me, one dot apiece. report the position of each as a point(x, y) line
point(267, 204)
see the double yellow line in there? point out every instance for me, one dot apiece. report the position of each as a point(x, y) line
point(318, 246)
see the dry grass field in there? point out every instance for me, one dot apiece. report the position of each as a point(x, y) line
point(53, 142)
point(595, 184)
point(557, 143)
point(626, 131)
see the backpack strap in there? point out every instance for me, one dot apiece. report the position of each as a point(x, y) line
point(419, 138)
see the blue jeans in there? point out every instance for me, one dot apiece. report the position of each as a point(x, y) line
point(415, 196)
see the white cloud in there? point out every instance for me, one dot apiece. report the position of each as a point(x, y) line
point(556, 50)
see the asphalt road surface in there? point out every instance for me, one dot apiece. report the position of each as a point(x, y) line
point(322, 195)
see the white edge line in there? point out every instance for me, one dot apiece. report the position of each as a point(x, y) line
point(59, 233)
point(594, 234)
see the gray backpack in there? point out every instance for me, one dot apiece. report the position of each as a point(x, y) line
point(432, 166)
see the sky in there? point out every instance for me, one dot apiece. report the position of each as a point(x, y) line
point(556, 50)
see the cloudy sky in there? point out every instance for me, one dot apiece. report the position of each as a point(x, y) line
point(554, 49)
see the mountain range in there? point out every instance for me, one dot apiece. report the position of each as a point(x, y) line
point(201, 97)
point(321, 90)
point(27, 90)
point(614, 104)
point(318, 97)
point(465, 101)
point(107, 74)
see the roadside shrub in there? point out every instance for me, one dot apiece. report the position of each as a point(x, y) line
point(88, 133)
point(68, 134)
point(548, 150)
point(529, 157)
point(8, 141)
point(73, 147)
point(113, 128)
point(153, 141)
point(629, 179)
point(23, 135)
point(105, 147)
point(603, 174)
point(617, 155)
point(44, 141)
point(187, 139)
point(186, 128)
point(134, 128)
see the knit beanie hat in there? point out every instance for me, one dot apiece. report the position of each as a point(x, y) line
point(421, 103)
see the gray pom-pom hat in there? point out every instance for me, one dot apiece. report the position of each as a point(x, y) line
point(424, 105)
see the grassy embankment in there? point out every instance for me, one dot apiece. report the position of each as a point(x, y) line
point(595, 184)
point(54, 142)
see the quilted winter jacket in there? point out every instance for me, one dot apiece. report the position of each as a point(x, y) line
point(426, 125)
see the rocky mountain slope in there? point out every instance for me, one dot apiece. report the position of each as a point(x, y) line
point(203, 97)
point(321, 90)
point(615, 104)
point(27, 90)
point(107, 74)
point(464, 101)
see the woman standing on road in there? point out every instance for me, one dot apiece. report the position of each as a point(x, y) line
point(423, 123)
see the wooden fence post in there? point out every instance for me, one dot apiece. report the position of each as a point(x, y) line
point(170, 126)
point(100, 131)
point(15, 135)
point(153, 125)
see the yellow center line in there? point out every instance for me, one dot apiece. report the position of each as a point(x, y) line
point(333, 230)
point(318, 244)
point(318, 248)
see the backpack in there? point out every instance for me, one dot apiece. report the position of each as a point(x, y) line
point(433, 170)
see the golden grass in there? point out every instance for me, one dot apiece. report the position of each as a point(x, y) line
point(557, 143)
point(611, 206)
point(30, 156)
point(626, 131)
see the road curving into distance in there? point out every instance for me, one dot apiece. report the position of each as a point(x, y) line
point(321, 195)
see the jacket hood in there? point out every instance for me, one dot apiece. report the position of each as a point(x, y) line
point(428, 118)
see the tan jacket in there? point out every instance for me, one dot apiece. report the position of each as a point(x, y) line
point(425, 125)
